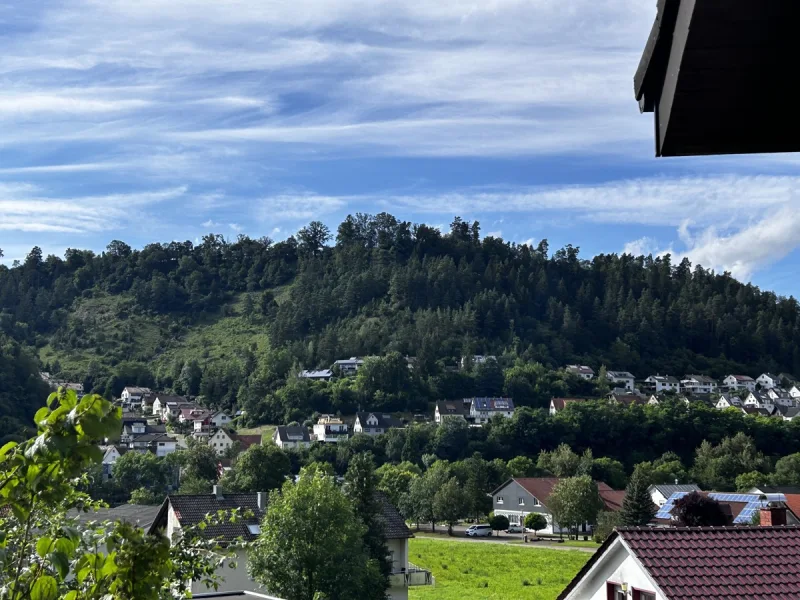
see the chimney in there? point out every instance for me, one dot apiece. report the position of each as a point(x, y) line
point(261, 500)
point(773, 515)
point(217, 491)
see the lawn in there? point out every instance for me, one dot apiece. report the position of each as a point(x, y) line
point(483, 571)
point(266, 431)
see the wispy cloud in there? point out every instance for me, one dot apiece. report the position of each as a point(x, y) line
point(298, 206)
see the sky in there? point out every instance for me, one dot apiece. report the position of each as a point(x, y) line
point(156, 121)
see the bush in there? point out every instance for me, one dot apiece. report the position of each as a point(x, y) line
point(606, 522)
point(499, 522)
point(535, 521)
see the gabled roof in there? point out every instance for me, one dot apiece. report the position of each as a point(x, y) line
point(664, 378)
point(620, 375)
point(285, 431)
point(582, 369)
point(742, 378)
point(541, 488)
point(770, 376)
point(133, 418)
point(385, 421)
point(561, 403)
point(318, 374)
point(792, 412)
point(498, 404)
point(192, 509)
point(712, 563)
point(452, 407)
point(164, 398)
point(627, 399)
point(667, 490)
point(153, 438)
point(247, 440)
point(394, 524)
point(136, 391)
point(701, 379)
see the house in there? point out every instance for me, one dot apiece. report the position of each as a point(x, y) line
point(727, 401)
point(476, 359)
point(348, 366)
point(759, 399)
point(200, 418)
point(159, 444)
point(786, 490)
point(741, 506)
point(581, 371)
point(519, 496)
point(757, 412)
point(290, 437)
point(735, 383)
point(374, 423)
point(663, 383)
point(132, 425)
point(219, 419)
point(794, 391)
point(330, 429)
point(699, 384)
point(160, 403)
point(787, 379)
point(458, 409)
point(481, 410)
point(111, 454)
point(660, 493)
point(672, 563)
point(147, 402)
point(133, 395)
point(780, 396)
point(221, 440)
point(172, 409)
point(622, 378)
point(188, 511)
point(559, 404)
point(791, 413)
point(625, 399)
point(768, 380)
point(320, 375)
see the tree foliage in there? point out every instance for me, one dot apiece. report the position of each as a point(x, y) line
point(696, 510)
point(637, 507)
point(574, 502)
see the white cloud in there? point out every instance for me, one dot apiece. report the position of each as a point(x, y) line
point(641, 247)
point(210, 223)
point(298, 206)
point(236, 227)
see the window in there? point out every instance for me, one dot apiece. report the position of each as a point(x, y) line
point(254, 529)
point(614, 591)
point(642, 595)
point(536, 502)
point(499, 499)
point(522, 501)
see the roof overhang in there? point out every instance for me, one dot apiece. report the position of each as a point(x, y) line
point(717, 75)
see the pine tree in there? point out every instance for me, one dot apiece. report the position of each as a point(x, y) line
point(637, 508)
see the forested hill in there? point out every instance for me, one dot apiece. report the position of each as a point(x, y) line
point(378, 285)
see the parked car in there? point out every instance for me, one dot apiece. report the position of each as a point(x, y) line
point(479, 531)
point(514, 529)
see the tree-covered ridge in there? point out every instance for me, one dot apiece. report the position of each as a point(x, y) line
point(21, 390)
point(389, 285)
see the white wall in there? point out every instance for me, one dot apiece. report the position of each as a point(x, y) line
point(399, 550)
point(235, 579)
point(617, 566)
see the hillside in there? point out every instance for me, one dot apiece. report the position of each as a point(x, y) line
point(230, 320)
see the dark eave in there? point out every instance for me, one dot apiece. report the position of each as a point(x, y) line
point(717, 75)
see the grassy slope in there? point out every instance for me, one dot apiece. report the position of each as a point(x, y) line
point(462, 568)
point(112, 331)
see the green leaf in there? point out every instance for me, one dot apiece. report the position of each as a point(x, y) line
point(73, 595)
point(45, 588)
point(43, 546)
point(66, 546)
point(41, 415)
point(61, 563)
point(7, 448)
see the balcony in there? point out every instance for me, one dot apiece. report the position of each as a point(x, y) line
point(413, 576)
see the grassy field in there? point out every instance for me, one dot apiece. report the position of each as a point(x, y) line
point(266, 431)
point(485, 571)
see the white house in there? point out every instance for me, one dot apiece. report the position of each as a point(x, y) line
point(291, 438)
point(780, 396)
point(349, 366)
point(458, 409)
point(481, 410)
point(219, 419)
point(477, 359)
point(672, 563)
point(622, 379)
point(111, 454)
point(768, 380)
point(559, 404)
point(374, 423)
point(161, 401)
point(133, 395)
point(220, 441)
point(759, 399)
point(319, 375)
point(728, 400)
point(186, 511)
point(330, 428)
point(661, 492)
point(735, 383)
point(794, 391)
point(160, 444)
point(699, 384)
point(663, 383)
point(582, 371)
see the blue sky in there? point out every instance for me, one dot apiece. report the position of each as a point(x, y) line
point(152, 121)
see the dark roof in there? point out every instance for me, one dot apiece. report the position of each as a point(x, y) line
point(163, 398)
point(779, 489)
point(499, 404)
point(668, 489)
point(712, 563)
point(192, 509)
point(385, 421)
point(284, 431)
point(612, 499)
point(452, 407)
point(133, 418)
point(153, 437)
point(701, 378)
point(394, 524)
point(627, 399)
point(135, 514)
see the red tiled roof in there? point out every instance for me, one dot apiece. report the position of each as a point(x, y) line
point(713, 563)
point(247, 440)
point(793, 503)
point(612, 499)
point(542, 487)
point(560, 403)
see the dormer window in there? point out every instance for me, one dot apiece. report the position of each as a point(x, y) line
point(499, 499)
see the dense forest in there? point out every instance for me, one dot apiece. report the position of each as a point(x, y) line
point(380, 287)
